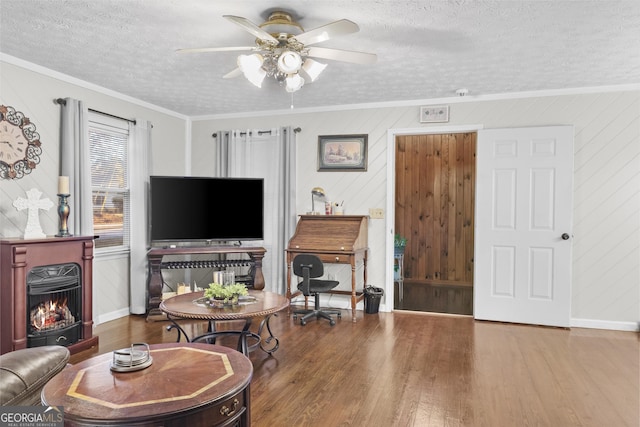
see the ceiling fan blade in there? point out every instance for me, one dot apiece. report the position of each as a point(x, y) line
point(252, 28)
point(343, 55)
point(215, 49)
point(233, 73)
point(320, 34)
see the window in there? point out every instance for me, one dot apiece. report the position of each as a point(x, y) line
point(109, 148)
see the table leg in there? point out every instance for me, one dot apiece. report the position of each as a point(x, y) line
point(181, 332)
point(243, 347)
point(269, 344)
point(354, 298)
point(271, 338)
point(242, 339)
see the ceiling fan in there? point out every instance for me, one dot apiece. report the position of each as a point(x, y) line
point(283, 50)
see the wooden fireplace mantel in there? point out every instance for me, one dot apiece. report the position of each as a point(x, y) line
point(17, 258)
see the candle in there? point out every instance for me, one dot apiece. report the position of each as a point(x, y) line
point(63, 185)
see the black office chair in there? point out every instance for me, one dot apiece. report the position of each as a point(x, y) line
point(308, 267)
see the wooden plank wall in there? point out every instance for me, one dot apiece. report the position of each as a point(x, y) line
point(435, 197)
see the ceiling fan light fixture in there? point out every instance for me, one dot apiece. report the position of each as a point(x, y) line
point(313, 68)
point(289, 62)
point(293, 82)
point(282, 50)
point(251, 67)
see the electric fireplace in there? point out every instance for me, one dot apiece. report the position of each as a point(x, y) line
point(46, 293)
point(54, 305)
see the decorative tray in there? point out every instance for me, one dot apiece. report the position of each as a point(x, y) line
point(208, 302)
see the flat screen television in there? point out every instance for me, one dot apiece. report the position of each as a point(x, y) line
point(189, 209)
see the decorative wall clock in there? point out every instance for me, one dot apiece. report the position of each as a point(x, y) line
point(19, 144)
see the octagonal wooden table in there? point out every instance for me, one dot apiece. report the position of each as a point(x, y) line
point(190, 384)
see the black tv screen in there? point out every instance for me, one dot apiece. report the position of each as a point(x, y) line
point(194, 208)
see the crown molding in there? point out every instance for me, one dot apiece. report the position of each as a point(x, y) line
point(427, 101)
point(86, 85)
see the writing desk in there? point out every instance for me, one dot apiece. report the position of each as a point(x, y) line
point(335, 239)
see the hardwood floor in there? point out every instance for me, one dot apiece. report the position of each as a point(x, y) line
point(434, 297)
point(417, 369)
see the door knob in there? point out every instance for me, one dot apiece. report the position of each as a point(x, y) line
point(565, 236)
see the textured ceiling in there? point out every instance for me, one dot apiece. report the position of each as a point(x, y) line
point(426, 49)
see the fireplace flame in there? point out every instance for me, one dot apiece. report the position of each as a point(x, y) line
point(51, 314)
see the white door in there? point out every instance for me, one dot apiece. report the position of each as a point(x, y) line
point(524, 196)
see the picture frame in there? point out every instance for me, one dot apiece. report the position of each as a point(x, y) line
point(342, 153)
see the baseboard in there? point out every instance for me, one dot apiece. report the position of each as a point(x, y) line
point(113, 315)
point(605, 324)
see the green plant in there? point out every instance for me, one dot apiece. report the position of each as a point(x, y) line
point(399, 241)
point(227, 293)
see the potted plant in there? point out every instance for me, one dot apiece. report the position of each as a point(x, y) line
point(399, 244)
point(227, 294)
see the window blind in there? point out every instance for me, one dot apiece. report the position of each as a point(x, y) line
point(109, 140)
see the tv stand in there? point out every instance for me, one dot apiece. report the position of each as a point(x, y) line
point(155, 258)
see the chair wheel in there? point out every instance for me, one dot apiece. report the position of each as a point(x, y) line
point(332, 322)
point(339, 315)
point(303, 322)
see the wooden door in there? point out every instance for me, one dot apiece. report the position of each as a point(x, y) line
point(523, 253)
point(435, 202)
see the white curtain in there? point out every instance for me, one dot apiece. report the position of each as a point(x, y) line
point(140, 169)
point(270, 155)
point(75, 163)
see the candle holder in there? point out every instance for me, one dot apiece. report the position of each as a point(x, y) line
point(63, 213)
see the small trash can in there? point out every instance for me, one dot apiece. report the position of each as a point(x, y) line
point(372, 297)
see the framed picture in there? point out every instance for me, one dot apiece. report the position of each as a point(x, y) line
point(342, 153)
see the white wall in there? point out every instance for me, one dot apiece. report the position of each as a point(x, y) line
point(606, 253)
point(32, 90)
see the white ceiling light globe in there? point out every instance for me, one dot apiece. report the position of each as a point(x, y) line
point(251, 67)
point(313, 68)
point(294, 82)
point(289, 62)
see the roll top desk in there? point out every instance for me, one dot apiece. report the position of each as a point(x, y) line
point(335, 239)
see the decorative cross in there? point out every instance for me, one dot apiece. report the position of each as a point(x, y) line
point(33, 203)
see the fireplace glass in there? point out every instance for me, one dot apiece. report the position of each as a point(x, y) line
point(54, 305)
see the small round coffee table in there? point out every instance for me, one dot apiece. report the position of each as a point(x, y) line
point(259, 304)
point(190, 384)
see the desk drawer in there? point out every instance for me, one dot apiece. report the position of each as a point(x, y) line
point(230, 412)
point(230, 407)
point(336, 258)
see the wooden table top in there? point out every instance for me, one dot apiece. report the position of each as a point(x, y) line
point(183, 377)
point(186, 306)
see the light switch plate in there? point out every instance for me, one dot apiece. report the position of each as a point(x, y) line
point(434, 114)
point(376, 213)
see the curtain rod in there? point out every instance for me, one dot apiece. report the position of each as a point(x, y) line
point(64, 102)
point(260, 132)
